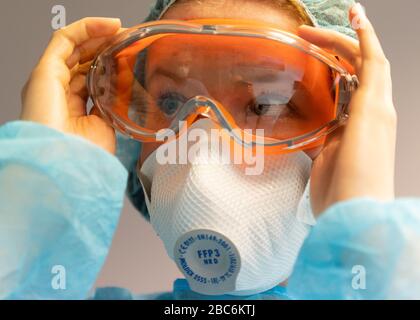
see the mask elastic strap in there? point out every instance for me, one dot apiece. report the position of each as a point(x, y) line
point(304, 210)
point(146, 186)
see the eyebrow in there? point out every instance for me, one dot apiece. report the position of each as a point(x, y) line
point(249, 73)
point(260, 74)
point(166, 73)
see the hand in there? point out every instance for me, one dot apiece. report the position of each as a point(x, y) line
point(56, 94)
point(358, 159)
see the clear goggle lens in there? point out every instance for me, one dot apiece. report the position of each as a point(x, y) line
point(153, 80)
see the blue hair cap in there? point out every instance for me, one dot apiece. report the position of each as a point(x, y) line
point(328, 14)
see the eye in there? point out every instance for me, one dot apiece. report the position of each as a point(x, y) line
point(273, 105)
point(170, 102)
point(260, 109)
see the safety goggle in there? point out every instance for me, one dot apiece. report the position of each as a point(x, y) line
point(263, 85)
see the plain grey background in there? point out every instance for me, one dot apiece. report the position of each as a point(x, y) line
point(137, 259)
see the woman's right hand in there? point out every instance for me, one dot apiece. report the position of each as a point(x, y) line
point(56, 94)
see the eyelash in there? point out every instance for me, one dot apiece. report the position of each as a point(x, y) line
point(292, 107)
point(168, 94)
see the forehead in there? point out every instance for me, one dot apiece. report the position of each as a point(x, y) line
point(234, 9)
point(208, 52)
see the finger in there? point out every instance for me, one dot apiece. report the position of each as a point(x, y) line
point(67, 39)
point(370, 46)
point(78, 85)
point(88, 49)
point(52, 65)
point(84, 68)
point(376, 68)
point(46, 98)
point(78, 96)
point(342, 45)
point(81, 69)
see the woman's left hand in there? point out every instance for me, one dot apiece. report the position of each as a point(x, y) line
point(358, 159)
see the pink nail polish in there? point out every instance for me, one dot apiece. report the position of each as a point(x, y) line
point(359, 17)
point(360, 9)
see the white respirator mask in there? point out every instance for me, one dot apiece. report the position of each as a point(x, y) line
point(229, 232)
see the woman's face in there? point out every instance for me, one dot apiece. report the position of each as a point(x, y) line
point(227, 9)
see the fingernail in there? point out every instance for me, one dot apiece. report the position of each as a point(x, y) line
point(359, 9)
point(359, 17)
point(305, 26)
point(110, 20)
point(115, 20)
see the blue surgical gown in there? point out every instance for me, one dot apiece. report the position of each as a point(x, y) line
point(60, 203)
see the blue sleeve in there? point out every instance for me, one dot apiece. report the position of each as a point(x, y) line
point(60, 202)
point(361, 249)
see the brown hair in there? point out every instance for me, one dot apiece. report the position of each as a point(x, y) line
point(292, 7)
point(296, 8)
